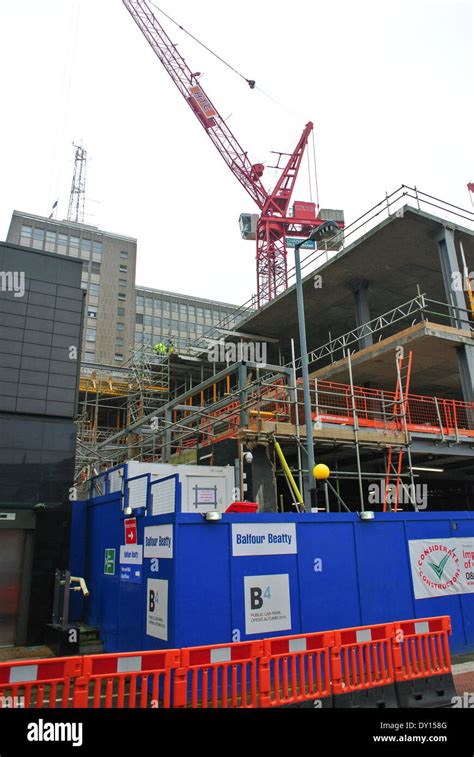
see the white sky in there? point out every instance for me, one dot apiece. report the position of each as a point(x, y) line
point(389, 87)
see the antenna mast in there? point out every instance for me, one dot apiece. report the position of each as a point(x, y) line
point(78, 189)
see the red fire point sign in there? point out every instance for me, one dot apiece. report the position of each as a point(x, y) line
point(130, 531)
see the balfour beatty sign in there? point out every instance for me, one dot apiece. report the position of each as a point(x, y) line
point(159, 541)
point(263, 539)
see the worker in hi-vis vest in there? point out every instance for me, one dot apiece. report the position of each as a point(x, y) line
point(160, 349)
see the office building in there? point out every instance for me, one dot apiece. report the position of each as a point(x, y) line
point(108, 276)
point(41, 319)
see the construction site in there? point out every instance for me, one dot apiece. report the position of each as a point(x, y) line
point(213, 505)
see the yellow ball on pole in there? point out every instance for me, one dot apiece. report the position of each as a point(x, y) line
point(321, 472)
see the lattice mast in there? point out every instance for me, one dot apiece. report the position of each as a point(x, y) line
point(77, 199)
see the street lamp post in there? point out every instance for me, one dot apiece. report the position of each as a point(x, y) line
point(325, 231)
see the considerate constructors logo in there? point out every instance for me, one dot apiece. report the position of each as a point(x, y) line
point(438, 566)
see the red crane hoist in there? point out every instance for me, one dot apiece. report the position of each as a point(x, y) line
point(276, 222)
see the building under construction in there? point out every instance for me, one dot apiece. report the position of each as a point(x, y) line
point(392, 365)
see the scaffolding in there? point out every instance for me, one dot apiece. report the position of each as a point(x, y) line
point(149, 381)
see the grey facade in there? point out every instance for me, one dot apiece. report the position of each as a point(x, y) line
point(108, 276)
point(41, 320)
point(166, 316)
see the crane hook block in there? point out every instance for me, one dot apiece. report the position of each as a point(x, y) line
point(251, 83)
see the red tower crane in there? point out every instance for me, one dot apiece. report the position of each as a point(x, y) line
point(274, 224)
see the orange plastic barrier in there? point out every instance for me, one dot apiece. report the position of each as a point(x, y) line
point(406, 664)
point(221, 675)
point(421, 648)
point(422, 662)
point(296, 669)
point(362, 660)
point(39, 683)
point(129, 680)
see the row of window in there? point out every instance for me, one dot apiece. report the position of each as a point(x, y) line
point(52, 241)
point(166, 323)
point(75, 246)
point(185, 311)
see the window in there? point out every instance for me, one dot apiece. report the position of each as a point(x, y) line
point(89, 357)
point(147, 320)
point(121, 312)
point(119, 357)
point(95, 268)
point(86, 246)
point(38, 238)
point(26, 235)
point(174, 307)
point(123, 268)
point(91, 334)
point(122, 282)
point(200, 312)
point(62, 244)
point(50, 241)
point(119, 342)
point(174, 324)
point(84, 284)
point(122, 296)
point(149, 302)
point(139, 318)
point(74, 243)
point(191, 311)
point(140, 301)
point(96, 251)
point(94, 289)
point(157, 322)
point(120, 327)
point(166, 323)
point(91, 312)
point(124, 255)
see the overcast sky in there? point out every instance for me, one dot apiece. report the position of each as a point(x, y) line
point(388, 85)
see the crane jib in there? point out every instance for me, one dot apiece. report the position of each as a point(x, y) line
point(202, 102)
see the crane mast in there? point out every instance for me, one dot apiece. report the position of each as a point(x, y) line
point(274, 221)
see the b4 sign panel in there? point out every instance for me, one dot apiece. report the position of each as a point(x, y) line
point(267, 604)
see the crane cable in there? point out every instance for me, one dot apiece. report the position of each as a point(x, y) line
point(250, 82)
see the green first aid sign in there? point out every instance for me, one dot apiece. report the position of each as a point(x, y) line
point(109, 562)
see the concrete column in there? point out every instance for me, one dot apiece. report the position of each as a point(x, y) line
point(450, 266)
point(455, 297)
point(261, 483)
point(360, 291)
point(466, 371)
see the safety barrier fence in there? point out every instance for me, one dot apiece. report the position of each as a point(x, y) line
point(405, 663)
point(377, 408)
point(332, 402)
